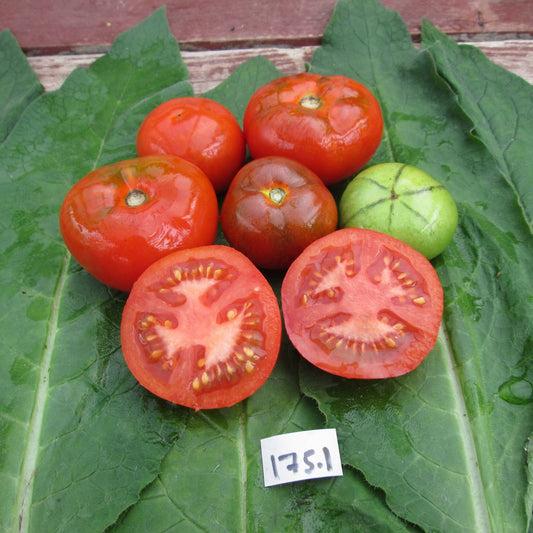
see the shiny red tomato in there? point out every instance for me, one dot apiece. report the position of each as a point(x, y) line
point(274, 208)
point(361, 304)
point(120, 218)
point(201, 131)
point(331, 124)
point(202, 328)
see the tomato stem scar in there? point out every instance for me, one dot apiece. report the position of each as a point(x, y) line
point(277, 195)
point(311, 102)
point(135, 198)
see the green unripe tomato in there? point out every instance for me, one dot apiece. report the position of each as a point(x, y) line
point(403, 201)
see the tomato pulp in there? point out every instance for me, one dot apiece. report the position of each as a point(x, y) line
point(120, 218)
point(202, 328)
point(274, 208)
point(331, 124)
point(201, 131)
point(360, 304)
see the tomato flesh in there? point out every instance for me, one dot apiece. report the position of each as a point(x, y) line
point(202, 328)
point(360, 304)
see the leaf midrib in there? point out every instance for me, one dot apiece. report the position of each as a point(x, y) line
point(481, 516)
point(24, 497)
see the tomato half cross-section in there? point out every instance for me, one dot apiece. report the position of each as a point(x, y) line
point(331, 124)
point(202, 328)
point(120, 218)
point(201, 131)
point(360, 304)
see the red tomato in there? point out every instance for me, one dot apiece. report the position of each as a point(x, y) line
point(361, 304)
point(202, 328)
point(199, 130)
point(274, 208)
point(331, 124)
point(120, 218)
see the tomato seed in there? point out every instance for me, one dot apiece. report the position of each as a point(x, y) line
point(390, 342)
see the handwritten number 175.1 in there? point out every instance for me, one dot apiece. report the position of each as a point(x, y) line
point(292, 463)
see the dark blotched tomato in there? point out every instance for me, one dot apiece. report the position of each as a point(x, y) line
point(202, 328)
point(274, 208)
point(331, 124)
point(201, 131)
point(120, 218)
point(361, 304)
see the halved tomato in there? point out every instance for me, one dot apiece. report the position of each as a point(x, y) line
point(202, 328)
point(360, 304)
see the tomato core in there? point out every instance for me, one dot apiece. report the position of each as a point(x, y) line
point(135, 198)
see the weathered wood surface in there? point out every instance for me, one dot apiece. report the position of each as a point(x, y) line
point(208, 68)
point(81, 26)
point(217, 35)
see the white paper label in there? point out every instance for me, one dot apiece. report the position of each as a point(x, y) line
point(301, 455)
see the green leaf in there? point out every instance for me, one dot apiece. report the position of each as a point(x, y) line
point(212, 479)
point(71, 456)
point(439, 440)
point(19, 84)
point(498, 104)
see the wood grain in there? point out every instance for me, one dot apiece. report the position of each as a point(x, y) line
point(208, 68)
point(52, 26)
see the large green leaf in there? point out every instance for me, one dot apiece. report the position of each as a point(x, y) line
point(211, 480)
point(449, 426)
point(84, 448)
point(72, 455)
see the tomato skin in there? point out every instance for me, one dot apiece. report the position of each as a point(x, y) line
point(361, 304)
point(201, 131)
point(202, 328)
point(335, 139)
point(403, 201)
point(274, 208)
point(116, 242)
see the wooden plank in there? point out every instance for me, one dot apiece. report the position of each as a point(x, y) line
point(208, 68)
point(51, 26)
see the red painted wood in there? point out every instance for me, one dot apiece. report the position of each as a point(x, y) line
point(50, 26)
